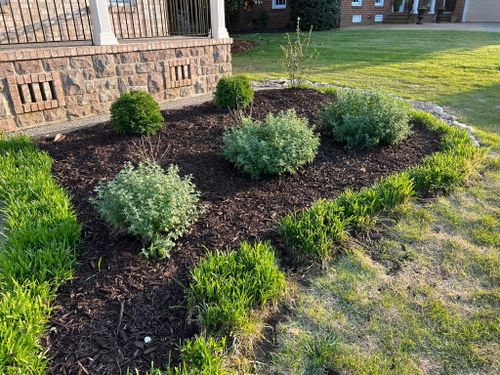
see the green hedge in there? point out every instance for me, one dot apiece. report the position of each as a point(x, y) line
point(367, 119)
point(36, 255)
point(320, 14)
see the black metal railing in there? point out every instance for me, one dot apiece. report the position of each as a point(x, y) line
point(159, 18)
point(44, 21)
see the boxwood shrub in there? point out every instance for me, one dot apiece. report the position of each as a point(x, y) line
point(233, 92)
point(367, 119)
point(227, 285)
point(282, 144)
point(136, 112)
point(148, 202)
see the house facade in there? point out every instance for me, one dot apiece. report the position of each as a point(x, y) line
point(69, 59)
point(275, 14)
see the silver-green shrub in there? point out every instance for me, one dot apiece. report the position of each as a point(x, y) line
point(281, 144)
point(367, 119)
point(148, 202)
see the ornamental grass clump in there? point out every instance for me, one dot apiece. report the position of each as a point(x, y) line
point(367, 119)
point(148, 202)
point(227, 285)
point(233, 93)
point(136, 112)
point(38, 236)
point(199, 356)
point(281, 144)
point(316, 234)
point(457, 161)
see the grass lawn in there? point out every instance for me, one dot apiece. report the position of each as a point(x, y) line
point(423, 298)
point(457, 69)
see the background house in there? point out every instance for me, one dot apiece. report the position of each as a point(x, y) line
point(273, 15)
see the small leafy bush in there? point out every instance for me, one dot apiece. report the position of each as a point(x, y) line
point(233, 92)
point(282, 144)
point(364, 119)
point(148, 202)
point(322, 14)
point(136, 112)
point(227, 285)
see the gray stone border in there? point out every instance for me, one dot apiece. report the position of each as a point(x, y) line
point(429, 107)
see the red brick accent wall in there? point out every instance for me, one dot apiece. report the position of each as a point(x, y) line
point(252, 20)
point(367, 10)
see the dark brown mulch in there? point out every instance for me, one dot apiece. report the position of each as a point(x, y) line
point(240, 46)
point(103, 315)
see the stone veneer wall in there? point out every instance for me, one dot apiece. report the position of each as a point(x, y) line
point(53, 85)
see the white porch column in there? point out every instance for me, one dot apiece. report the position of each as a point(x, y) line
point(433, 7)
point(103, 34)
point(218, 19)
point(415, 7)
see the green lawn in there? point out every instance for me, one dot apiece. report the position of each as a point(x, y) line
point(425, 297)
point(457, 69)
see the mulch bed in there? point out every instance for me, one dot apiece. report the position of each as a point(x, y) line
point(103, 315)
point(240, 46)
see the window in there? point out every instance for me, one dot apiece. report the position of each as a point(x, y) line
point(357, 3)
point(379, 17)
point(356, 18)
point(279, 4)
point(379, 3)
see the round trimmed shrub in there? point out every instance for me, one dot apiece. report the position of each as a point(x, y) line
point(136, 112)
point(367, 119)
point(233, 92)
point(148, 202)
point(318, 14)
point(282, 144)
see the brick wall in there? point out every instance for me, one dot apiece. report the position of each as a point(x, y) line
point(261, 18)
point(41, 86)
point(367, 10)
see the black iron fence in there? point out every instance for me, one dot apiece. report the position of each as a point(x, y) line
point(43, 21)
point(159, 18)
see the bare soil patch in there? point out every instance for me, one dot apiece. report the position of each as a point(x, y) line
point(117, 298)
